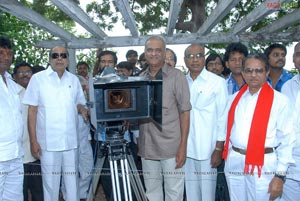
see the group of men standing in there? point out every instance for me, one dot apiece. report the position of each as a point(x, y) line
point(253, 129)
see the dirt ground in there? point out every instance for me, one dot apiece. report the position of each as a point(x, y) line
point(100, 194)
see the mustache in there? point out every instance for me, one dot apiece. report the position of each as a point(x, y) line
point(280, 60)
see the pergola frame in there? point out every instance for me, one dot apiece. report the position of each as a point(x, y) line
point(277, 31)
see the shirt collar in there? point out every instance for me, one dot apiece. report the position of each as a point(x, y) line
point(51, 72)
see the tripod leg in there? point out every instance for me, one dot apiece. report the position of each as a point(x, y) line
point(97, 172)
point(124, 180)
point(136, 180)
point(113, 181)
point(117, 180)
point(127, 178)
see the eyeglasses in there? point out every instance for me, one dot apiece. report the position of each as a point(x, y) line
point(192, 56)
point(23, 73)
point(57, 55)
point(256, 70)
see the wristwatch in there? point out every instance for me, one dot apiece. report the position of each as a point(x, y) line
point(280, 176)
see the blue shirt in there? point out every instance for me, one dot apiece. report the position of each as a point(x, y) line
point(285, 76)
point(232, 85)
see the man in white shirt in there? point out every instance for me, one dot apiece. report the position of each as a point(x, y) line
point(32, 170)
point(208, 98)
point(291, 188)
point(260, 136)
point(292, 86)
point(55, 97)
point(11, 124)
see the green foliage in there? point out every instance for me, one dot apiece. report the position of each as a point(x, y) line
point(149, 15)
point(24, 36)
point(294, 71)
point(87, 56)
point(102, 14)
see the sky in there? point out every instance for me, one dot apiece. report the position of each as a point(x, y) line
point(178, 49)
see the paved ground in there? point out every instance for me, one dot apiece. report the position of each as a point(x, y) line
point(100, 194)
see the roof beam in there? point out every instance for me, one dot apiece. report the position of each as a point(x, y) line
point(221, 10)
point(127, 14)
point(173, 16)
point(213, 38)
point(76, 13)
point(291, 35)
point(255, 15)
point(26, 14)
point(282, 22)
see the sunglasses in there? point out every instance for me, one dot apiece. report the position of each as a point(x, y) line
point(57, 55)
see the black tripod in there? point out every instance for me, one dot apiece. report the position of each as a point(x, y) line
point(118, 153)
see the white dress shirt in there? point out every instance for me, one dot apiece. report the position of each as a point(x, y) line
point(27, 158)
point(57, 100)
point(294, 169)
point(208, 98)
point(291, 88)
point(280, 131)
point(11, 124)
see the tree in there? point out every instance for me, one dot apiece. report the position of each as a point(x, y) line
point(152, 15)
point(25, 35)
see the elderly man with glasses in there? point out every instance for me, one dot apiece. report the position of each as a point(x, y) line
point(259, 136)
point(55, 97)
point(204, 151)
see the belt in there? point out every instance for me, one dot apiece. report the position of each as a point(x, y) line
point(268, 150)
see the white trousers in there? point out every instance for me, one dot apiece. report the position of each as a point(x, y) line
point(86, 163)
point(291, 190)
point(55, 164)
point(248, 187)
point(200, 180)
point(159, 172)
point(11, 180)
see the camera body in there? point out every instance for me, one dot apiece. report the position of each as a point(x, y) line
point(129, 98)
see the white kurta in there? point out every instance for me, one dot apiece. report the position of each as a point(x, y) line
point(280, 134)
point(11, 123)
point(11, 130)
point(27, 158)
point(57, 101)
point(208, 98)
point(291, 88)
point(291, 188)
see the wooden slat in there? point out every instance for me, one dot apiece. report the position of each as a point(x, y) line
point(173, 16)
point(127, 14)
point(213, 38)
point(282, 22)
point(26, 14)
point(76, 13)
point(255, 15)
point(221, 10)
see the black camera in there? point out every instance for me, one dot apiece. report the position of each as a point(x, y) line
point(127, 98)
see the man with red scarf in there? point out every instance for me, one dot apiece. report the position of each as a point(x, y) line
point(259, 136)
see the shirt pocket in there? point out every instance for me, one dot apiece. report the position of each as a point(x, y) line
point(203, 100)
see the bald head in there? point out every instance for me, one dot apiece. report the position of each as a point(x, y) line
point(296, 56)
point(197, 45)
